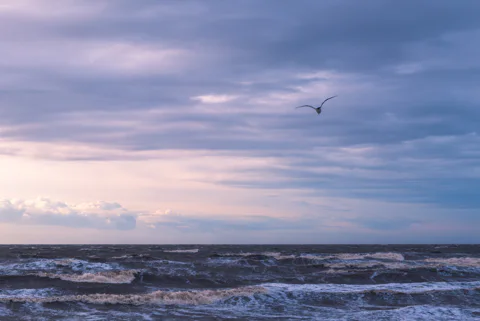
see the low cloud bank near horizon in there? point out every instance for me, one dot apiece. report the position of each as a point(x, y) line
point(101, 215)
point(43, 211)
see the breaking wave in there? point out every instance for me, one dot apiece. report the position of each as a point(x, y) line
point(400, 288)
point(134, 256)
point(29, 265)
point(304, 282)
point(157, 297)
point(341, 256)
point(456, 261)
point(346, 261)
point(260, 293)
point(113, 277)
point(379, 255)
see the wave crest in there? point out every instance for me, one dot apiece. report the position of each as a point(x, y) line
point(157, 297)
point(456, 261)
point(112, 277)
point(181, 251)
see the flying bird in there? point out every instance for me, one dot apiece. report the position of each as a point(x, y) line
point(317, 109)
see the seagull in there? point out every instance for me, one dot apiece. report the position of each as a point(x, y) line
point(317, 109)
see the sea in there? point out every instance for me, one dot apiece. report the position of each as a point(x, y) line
point(240, 282)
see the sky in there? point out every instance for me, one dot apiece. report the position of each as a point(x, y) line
point(142, 121)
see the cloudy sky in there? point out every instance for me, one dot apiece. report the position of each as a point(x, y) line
point(144, 121)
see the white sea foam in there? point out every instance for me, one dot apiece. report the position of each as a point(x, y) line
point(181, 251)
point(387, 256)
point(26, 265)
point(416, 312)
point(343, 261)
point(355, 262)
point(5, 312)
point(456, 261)
point(319, 257)
point(132, 256)
point(357, 265)
point(259, 302)
point(173, 268)
point(229, 261)
point(30, 265)
point(157, 297)
point(167, 262)
point(362, 256)
point(28, 293)
point(373, 264)
point(406, 288)
point(81, 265)
point(275, 255)
point(113, 277)
point(169, 267)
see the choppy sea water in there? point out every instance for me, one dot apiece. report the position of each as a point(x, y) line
point(227, 282)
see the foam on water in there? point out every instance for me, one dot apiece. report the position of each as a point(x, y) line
point(81, 265)
point(202, 297)
point(157, 297)
point(122, 257)
point(230, 261)
point(113, 277)
point(341, 256)
point(133, 256)
point(28, 293)
point(356, 256)
point(460, 263)
point(456, 261)
point(26, 265)
point(30, 265)
point(172, 268)
point(304, 282)
point(275, 255)
point(167, 262)
point(386, 256)
point(338, 263)
point(181, 251)
point(4, 312)
point(369, 264)
point(405, 288)
point(102, 315)
point(416, 312)
point(342, 261)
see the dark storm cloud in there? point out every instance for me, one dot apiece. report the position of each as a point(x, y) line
point(406, 74)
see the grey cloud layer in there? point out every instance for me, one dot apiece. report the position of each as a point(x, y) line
point(405, 73)
point(222, 224)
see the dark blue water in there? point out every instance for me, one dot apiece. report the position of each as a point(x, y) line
point(268, 282)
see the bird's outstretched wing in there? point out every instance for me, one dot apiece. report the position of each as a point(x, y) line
point(327, 99)
point(306, 106)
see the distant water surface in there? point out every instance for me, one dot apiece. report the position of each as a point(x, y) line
point(233, 282)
